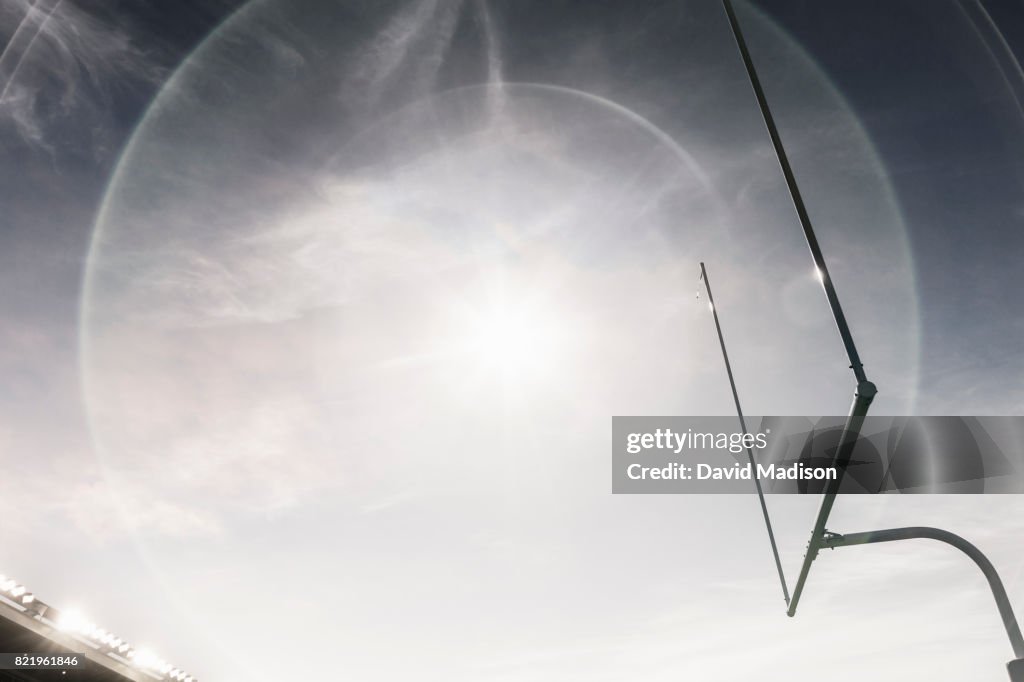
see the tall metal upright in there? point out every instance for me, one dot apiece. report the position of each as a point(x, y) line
point(864, 393)
point(865, 390)
point(743, 425)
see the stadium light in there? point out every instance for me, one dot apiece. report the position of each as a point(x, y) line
point(73, 623)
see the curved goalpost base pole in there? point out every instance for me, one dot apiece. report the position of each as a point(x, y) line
point(1016, 668)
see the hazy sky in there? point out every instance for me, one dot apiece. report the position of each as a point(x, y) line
point(315, 315)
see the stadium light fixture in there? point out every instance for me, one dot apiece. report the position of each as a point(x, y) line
point(73, 623)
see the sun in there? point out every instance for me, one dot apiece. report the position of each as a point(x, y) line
point(513, 339)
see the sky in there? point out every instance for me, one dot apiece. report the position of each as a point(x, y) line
point(315, 315)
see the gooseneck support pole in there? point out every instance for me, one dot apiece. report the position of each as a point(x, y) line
point(866, 390)
point(743, 425)
point(832, 540)
point(863, 396)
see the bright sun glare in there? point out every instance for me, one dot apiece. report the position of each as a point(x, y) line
point(515, 340)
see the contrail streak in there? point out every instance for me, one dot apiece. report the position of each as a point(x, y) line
point(984, 26)
point(495, 66)
point(21, 42)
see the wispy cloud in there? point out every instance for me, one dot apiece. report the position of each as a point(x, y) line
point(61, 73)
